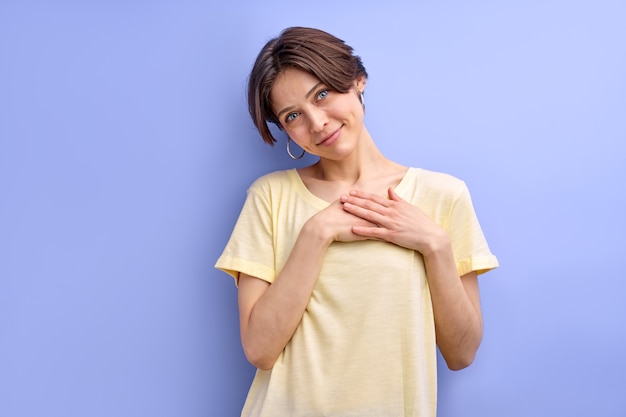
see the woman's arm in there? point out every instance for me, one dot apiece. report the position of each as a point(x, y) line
point(455, 300)
point(270, 313)
point(456, 306)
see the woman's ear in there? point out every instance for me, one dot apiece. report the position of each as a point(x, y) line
point(360, 83)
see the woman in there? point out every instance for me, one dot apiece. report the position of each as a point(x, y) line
point(352, 270)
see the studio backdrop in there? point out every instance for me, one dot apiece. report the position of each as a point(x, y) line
point(126, 150)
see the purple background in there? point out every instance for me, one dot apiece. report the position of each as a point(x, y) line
point(126, 149)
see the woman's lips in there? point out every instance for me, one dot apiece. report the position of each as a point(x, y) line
point(330, 139)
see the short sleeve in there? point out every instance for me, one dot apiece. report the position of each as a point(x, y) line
point(470, 248)
point(250, 247)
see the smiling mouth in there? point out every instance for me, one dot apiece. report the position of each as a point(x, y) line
point(330, 138)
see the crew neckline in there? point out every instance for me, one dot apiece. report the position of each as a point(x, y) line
point(304, 191)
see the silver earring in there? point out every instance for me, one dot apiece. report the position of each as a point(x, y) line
point(362, 99)
point(289, 151)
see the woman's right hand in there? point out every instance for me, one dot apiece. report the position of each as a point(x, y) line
point(270, 314)
point(336, 224)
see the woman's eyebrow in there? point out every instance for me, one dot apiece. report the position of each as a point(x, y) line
point(306, 96)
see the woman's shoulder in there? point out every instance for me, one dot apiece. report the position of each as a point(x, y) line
point(435, 179)
point(428, 188)
point(273, 179)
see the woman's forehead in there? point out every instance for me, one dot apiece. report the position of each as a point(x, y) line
point(292, 85)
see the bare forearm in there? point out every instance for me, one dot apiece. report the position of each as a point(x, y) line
point(456, 308)
point(277, 313)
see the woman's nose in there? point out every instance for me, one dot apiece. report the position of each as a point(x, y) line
point(317, 120)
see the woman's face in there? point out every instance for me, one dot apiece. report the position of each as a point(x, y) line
point(320, 120)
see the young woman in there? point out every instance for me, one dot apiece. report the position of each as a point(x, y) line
point(352, 270)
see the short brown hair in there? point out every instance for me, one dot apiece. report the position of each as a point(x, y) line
point(314, 51)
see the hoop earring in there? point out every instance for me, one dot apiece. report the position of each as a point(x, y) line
point(289, 151)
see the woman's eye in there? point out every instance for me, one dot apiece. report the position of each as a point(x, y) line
point(291, 117)
point(322, 94)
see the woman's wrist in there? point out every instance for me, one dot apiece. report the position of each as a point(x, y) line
point(439, 245)
point(316, 231)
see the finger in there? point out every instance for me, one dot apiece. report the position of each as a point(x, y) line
point(383, 201)
point(366, 211)
point(393, 195)
point(373, 233)
point(365, 203)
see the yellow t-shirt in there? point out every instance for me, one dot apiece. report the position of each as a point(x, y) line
point(366, 344)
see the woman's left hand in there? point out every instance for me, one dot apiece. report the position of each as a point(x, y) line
point(456, 302)
point(397, 221)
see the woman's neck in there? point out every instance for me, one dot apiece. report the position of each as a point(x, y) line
point(365, 162)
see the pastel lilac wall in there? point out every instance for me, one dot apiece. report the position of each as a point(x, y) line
point(126, 149)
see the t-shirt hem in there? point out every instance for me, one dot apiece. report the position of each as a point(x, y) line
point(479, 265)
point(236, 266)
